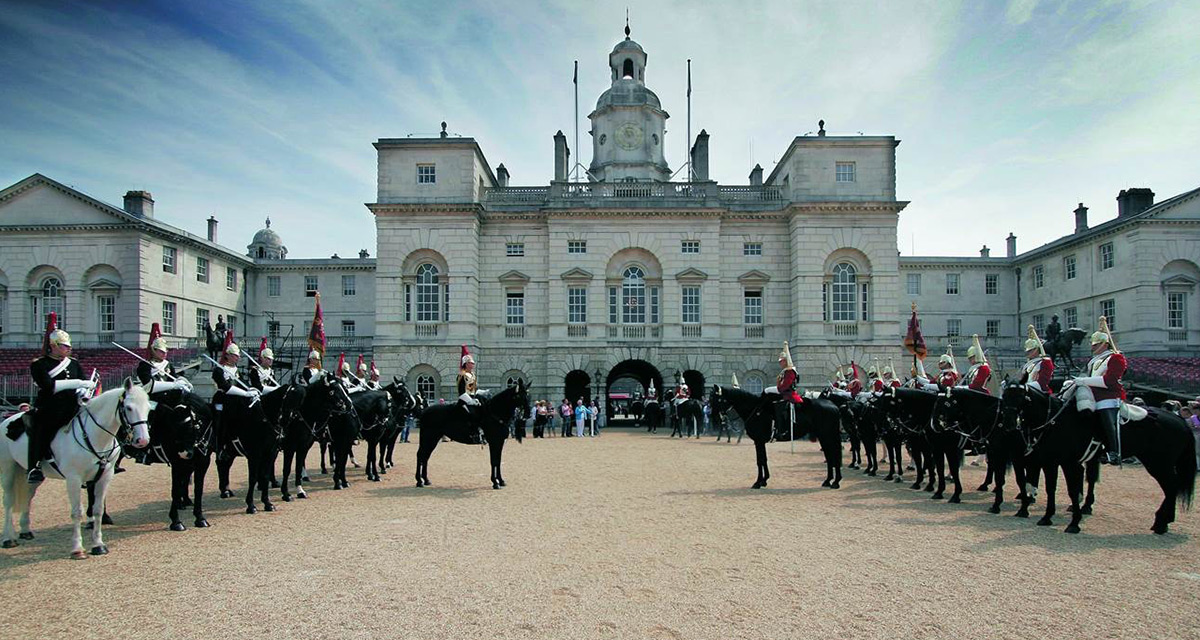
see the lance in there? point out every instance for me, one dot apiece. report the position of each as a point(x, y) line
point(172, 378)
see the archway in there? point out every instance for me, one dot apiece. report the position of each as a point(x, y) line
point(695, 382)
point(576, 385)
point(625, 388)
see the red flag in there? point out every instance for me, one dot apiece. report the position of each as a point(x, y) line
point(155, 334)
point(51, 327)
point(913, 340)
point(316, 335)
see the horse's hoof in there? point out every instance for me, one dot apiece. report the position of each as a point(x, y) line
point(1160, 529)
point(375, 479)
point(898, 479)
point(226, 494)
point(301, 495)
point(9, 544)
point(1045, 522)
point(916, 485)
point(28, 535)
point(105, 519)
point(955, 499)
point(502, 483)
point(251, 509)
point(756, 485)
point(496, 487)
point(1021, 514)
point(888, 477)
point(99, 550)
point(268, 507)
point(304, 478)
point(201, 523)
point(287, 497)
point(79, 555)
point(825, 484)
point(1086, 510)
point(1071, 528)
point(337, 486)
point(936, 496)
point(929, 488)
point(419, 484)
point(994, 509)
point(186, 502)
point(983, 487)
point(836, 485)
point(177, 526)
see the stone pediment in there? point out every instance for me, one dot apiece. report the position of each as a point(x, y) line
point(1179, 281)
point(576, 274)
point(754, 276)
point(514, 277)
point(104, 283)
point(691, 274)
point(40, 201)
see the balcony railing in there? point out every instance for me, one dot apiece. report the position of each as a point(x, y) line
point(752, 193)
point(514, 331)
point(600, 193)
point(691, 331)
point(754, 331)
point(347, 343)
point(577, 331)
point(842, 329)
point(1177, 335)
point(427, 330)
point(634, 332)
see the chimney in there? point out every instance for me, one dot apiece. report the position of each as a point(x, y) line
point(1081, 218)
point(756, 176)
point(700, 157)
point(1012, 245)
point(562, 157)
point(212, 229)
point(363, 254)
point(139, 203)
point(985, 252)
point(502, 175)
point(1133, 201)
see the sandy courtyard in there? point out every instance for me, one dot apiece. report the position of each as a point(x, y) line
point(625, 536)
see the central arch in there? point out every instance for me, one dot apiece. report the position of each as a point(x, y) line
point(578, 385)
point(625, 387)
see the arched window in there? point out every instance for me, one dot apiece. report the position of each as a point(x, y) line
point(427, 293)
point(427, 388)
point(845, 292)
point(627, 70)
point(633, 295)
point(52, 300)
point(753, 384)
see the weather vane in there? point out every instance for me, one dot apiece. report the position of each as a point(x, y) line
point(626, 23)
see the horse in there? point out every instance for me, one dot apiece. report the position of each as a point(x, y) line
point(1058, 435)
point(214, 341)
point(449, 420)
point(766, 419)
point(652, 416)
point(374, 411)
point(254, 431)
point(343, 431)
point(725, 426)
point(866, 425)
point(321, 400)
point(909, 411)
point(403, 405)
point(849, 425)
point(419, 404)
point(84, 450)
point(1060, 349)
point(682, 413)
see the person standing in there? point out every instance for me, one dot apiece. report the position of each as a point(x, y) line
point(565, 412)
point(580, 416)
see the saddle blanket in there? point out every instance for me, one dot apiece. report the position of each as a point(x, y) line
point(14, 426)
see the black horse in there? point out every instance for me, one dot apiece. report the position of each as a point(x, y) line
point(451, 421)
point(652, 416)
point(375, 415)
point(1059, 436)
point(1060, 349)
point(403, 405)
point(254, 431)
point(214, 341)
point(768, 419)
point(849, 426)
point(419, 404)
point(684, 414)
point(322, 400)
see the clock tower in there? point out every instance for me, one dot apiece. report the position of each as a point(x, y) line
point(629, 124)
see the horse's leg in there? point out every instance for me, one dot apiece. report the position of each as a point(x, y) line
point(10, 474)
point(267, 471)
point(251, 481)
point(1050, 472)
point(287, 471)
point(899, 447)
point(324, 470)
point(200, 466)
point(939, 456)
point(271, 468)
point(997, 466)
point(1169, 484)
point(494, 457)
point(1093, 476)
point(75, 499)
point(301, 456)
point(224, 462)
point(955, 459)
point(1074, 476)
point(98, 546)
point(177, 488)
point(760, 459)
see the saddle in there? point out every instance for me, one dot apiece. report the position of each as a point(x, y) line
point(1130, 413)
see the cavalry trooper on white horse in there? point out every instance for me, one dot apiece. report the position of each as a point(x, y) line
point(262, 377)
point(1040, 367)
point(1100, 389)
point(468, 389)
point(312, 369)
point(61, 386)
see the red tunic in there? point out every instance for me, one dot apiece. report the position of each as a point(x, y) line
point(980, 378)
point(895, 383)
point(1045, 370)
point(786, 384)
point(1113, 369)
point(948, 378)
point(855, 387)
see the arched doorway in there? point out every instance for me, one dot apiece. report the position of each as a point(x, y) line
point(625, 388)
point(577, 385)
point(695, 383)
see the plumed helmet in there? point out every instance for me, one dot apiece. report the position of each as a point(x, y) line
point(946, 359)
point(267, 353)
point(683, 385)
point(345, 366)
point(362, 365)
point(873, 369)
point(374, 369)
point(233, 349)
point(786, 355)
point(1032, 342)
point(466, 357)
point(314, 355)
point(1100, 337)
point(841, 377)
point(159, 344)
point(735, 382)
point(60, 337)
point(976, 349)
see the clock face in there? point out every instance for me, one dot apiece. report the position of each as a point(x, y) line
point(629, 135)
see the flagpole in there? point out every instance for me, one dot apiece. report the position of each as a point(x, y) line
point(691, 176)
point(575, 81)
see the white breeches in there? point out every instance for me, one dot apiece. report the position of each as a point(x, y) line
point(772, 390)
point(467, 398)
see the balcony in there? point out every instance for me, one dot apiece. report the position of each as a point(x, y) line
point(691, 331)
point(426, 330)
point(348, 343)
point(1177, 335)
point(577, 331)
point(753, 331)
point(663, 194)
point(514, 331)
point(634, 332)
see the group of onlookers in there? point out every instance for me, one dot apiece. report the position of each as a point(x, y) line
point(1190, 412)
point(586, 417)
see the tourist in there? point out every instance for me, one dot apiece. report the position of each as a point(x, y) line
point(580, 416)
point(564, 411)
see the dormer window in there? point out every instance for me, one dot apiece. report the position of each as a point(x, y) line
point(627, 70)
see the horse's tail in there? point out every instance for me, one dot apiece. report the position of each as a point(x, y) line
point(1185, 473)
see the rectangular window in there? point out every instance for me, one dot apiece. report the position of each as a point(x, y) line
point(349, 287)
point(752, 248)
point(231, 278)
point(953, 327)
point(1108, 309)
point(1039, 277)
point(576, 246)
point(613, 306)
point(348, 329)
point(689, 246)
point(274, 286)
point(168, 318)
point(845, 172)
point(514, 307)
point(201, 320)
point(951, 284)
point(863, 290)
point(1106, 256)
point(201, 269)
point(408, 303)
point(426, 174)
point(514, 249)
point(310, 286)
point(168, 259)
point(577, 305)
point(993, 328)
point(1039, 323)
point(273, 331)
point(428, 298)
point(991, 284)
point(914, 284)
point(752, 307)
point(1069, 268)
point(691, 305)
point(1070, 316)
point(1176, 310)
point(108, 313)
point(231, 322)
point(653, 305)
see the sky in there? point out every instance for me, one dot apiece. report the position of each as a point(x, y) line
point(1010, 113)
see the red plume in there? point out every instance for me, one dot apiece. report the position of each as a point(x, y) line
point(228, 339)
point(358, 365)
point(341, 361)
point(155, 334)
point(262, 346)
point(51, 327)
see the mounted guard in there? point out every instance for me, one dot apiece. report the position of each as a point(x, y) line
point(468, 388)
point(61, 389)
point(1101, 391)
point(854, 385)
point(157, 371)
point(785, 382)
point(1039, 367)
point(312, 368)
point(373, 381)
point(873, 380)
point(947, 370)
point(980, 372)
point(262, 377)
point(352, 383)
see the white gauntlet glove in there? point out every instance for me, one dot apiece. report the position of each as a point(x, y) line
point(73, 385)
point(242, 393)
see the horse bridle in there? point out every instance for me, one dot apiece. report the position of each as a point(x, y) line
point(122, 437)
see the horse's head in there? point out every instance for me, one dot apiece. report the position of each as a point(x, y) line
point(133, 413)
point(522, 398)
point(190, 438)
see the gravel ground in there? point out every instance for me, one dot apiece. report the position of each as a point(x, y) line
point(624, 536)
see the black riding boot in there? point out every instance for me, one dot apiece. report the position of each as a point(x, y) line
point(1107, 419)
point(35, 455)
point(472, 422)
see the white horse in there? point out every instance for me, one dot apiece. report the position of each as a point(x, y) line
point(84, 451)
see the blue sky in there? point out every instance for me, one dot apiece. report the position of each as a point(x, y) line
point(1010, 113)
